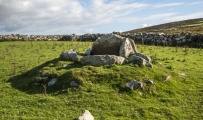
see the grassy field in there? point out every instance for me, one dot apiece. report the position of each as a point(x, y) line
point(102, 89)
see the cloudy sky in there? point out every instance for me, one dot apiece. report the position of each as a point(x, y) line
point(91, 16)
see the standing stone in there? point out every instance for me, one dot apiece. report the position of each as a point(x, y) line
point(112, 44)
point(126, 48)
point(100, 60)
point(69, 55)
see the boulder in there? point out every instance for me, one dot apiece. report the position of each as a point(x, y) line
point(137, 60)
point(126, 48)
point(100, 60)
point(112, 44)
point(69, 55)
point(148, 59)
point(86, 116)
point(134, 84)
point(141, 60)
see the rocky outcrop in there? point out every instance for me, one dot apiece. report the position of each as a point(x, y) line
point(112, 44)
point(100, 60)
point(69, 55)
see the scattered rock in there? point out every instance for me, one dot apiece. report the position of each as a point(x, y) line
point(69, 55)
point(149, 82)
point(137, 60)
point(86, 116)
point(183, 74)
point(88, 52)
point(141, 60)
point(66, 66)
point(149, 65)
point(44, 78)
point(148, 59)
point(112, 44)
point(74, 84)
point(167, 78)
point(100, 60)
point(52, 82)
point(134, 84)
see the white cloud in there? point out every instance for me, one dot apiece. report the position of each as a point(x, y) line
point(195, 3)
point(145, 25)
point(129, 20)
point(82, 16)
point(168, 5)
point(61, 15)
point(160, 16)
point(185, 17)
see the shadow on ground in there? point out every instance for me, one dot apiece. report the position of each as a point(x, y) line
point(25, 82)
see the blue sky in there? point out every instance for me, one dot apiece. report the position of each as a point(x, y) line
point(91, 16)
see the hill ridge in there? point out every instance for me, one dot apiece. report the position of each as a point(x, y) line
point(191, 25)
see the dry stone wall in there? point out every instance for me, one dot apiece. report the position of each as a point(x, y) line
point(188, 39)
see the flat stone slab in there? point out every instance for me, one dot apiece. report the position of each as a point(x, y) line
point(100, 60)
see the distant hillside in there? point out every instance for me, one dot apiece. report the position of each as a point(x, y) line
point(192, 26)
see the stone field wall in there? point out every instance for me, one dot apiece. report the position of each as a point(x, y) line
point(184, 39)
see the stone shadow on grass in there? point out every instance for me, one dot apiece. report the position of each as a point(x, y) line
point(25, 82)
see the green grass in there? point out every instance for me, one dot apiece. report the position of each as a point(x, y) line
point(102, 89)
point(194, 25)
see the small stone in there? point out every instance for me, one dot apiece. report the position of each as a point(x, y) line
point(86, 116)
point(74, 84)
point(149, 82)
point(183, 74)
point(69, 55)
point(66, 66)
point(52, 82)
point(167, 78)
point(44, 78)
point(149, 65)
point(134, 84)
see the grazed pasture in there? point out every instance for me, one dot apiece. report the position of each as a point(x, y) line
point(102, 89)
